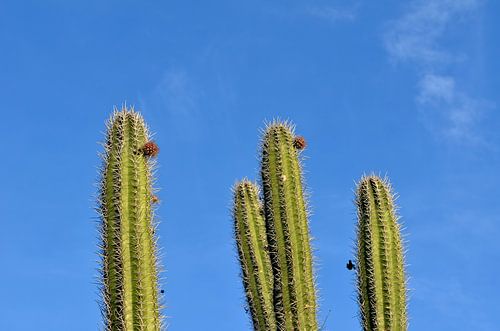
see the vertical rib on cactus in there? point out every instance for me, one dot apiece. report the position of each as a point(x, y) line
point(381, 279)
point(250, 234)
point(287, 230)
point(128, 248)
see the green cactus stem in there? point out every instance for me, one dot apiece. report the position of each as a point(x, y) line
point(129, 270)
point(380, 265)
point(250, 234)
point(294, 294)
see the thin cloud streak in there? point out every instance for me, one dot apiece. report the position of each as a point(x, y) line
point(332, 13)
point(318, 12)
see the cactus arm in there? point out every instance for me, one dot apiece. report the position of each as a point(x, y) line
point(381, 280)
point(288, 234)
point(252, 250)
point(129, 264)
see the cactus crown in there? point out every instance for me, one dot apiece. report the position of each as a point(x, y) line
point(129, 264)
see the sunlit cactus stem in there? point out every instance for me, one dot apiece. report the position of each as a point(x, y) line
point(128, 248)
point(285, 211)
point(380, 266)
point(251, 241)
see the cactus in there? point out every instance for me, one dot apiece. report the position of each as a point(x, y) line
point(380, 273)
point(250, 234)
point(285, 215)
point(271, 232)
point(129, 264)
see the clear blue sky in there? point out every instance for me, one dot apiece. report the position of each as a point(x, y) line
point(408, 89)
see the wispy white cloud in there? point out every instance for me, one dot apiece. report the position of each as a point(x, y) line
point(332, 13)
point(416, 35)
point(452, 112)
point(417, 38)
point(175, 98)
point(435, 88)
point(317, 10)
point(177, 94)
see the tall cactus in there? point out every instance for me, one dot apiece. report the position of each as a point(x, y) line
point(129, 270)
point(285, 214)
point(381, 279)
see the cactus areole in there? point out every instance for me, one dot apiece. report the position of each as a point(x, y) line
point(129, 271)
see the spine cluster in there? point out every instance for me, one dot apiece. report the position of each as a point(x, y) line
point(381, 279)
point(129, 270)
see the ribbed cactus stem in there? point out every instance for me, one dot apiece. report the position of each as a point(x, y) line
point(381, 278)
point(285, 213)
point(250, 234)
point(128, 248)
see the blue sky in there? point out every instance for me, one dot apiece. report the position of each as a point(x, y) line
point(408, 89)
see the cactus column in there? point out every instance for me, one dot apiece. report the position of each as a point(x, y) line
point(128, 248)
point(287, 230)
point(381, 279)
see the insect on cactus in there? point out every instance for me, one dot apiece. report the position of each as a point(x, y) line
point(284, 252)
point(380, 272)
point(129, 262)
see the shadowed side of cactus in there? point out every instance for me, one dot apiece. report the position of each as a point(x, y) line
point(250, 234)
point(294, 294)
point(129, 270)
point(381, 278)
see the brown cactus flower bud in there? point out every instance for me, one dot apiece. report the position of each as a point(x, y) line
point(299, 143)
point(150, 149)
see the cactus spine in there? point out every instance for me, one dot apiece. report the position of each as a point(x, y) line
point(285, 214)
point(250, 234)
point(129, 273)
point(381, 279)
